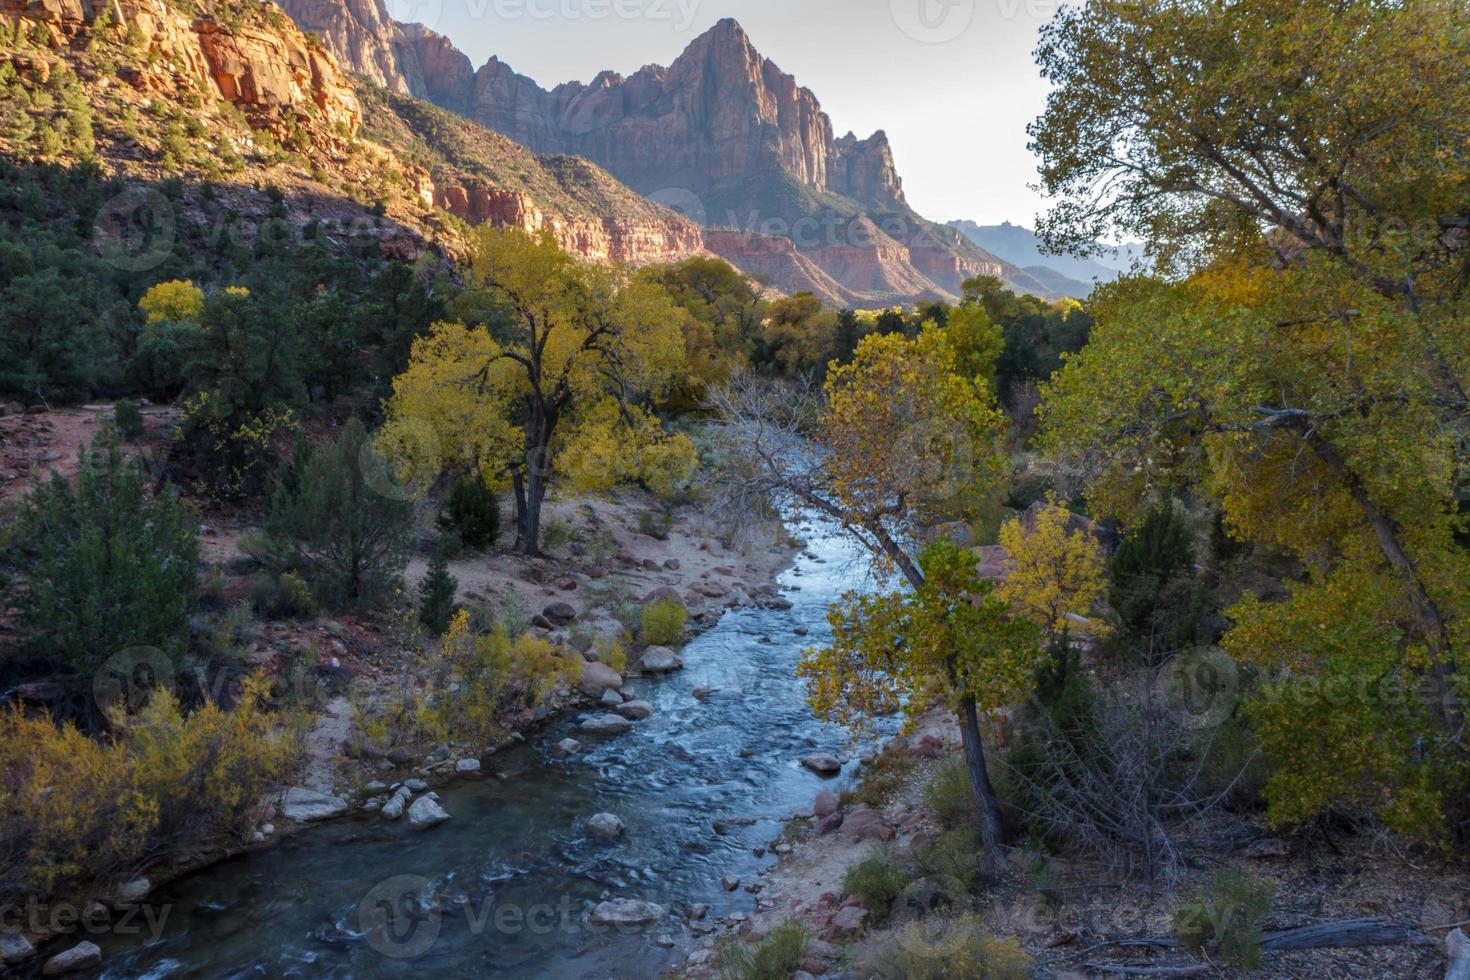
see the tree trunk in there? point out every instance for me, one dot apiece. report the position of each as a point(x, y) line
point(991, 862)
point(518, 484)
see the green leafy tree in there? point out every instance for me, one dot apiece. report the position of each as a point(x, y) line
point(948, 639)
point(1305, 365)
point(472, 511)
point(342, 518)
point(106, 566)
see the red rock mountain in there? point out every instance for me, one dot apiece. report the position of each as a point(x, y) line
point(721, 134)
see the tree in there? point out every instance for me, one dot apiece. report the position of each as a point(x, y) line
point(583, 346)
point(896, 445)
point(1057, 572)
point(436, 595)
point(107, 567)
point(1306, 367)
point(800, 334)
point(341, 517)
point(724, 323)
point(174, 301)
point(950, 639)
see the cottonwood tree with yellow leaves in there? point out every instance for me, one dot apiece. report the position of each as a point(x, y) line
point(896, 444)
point(1299, 170)
point(559, 392)
point(1057, 573)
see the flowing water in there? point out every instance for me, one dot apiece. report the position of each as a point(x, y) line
point(503, 888)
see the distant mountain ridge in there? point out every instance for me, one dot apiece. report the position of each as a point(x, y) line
point(722, 135)
point(1065, 274)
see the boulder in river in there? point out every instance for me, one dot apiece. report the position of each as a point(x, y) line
point(635, 710)
point(660, 660)
point(425, 813)
point(825, 804)
point(15, 948)
point(822, 764)
point(607, 826)
point(134, 891)
point(626, 912)
point(306, 805)
point(395, 806)
point(566, 747)
point(82, 956)
point(611, 698)
point(597, 678)
point(608, 724)
point(467, 766)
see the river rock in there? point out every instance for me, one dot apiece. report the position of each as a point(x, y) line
point(862, 822)
point(79, 957)
point(848, 922)
point(660, 660)
point(729, 883)
point(626, 912)
point(611, 699)
point(566, 747)
point(415, 785)
point(306, 805)
point(635, 710)
point(829, 823)
point(395, 806)
point(607, 826)
point(822, 764)
point(425, 813)
point(825, 804)
point(560, 613)
point(15, 948)
point(134, 891)
point(467, 766)
point(608, 724)
point(597, 678)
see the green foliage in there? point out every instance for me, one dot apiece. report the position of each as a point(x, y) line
point(342, 518)
point(943, 951)
point(473, 511)
point(282, 596)
point(953, 859)
point(878, 881)
point(556, 534)
point(948, 793)
point(662, 622)
point(436, 595)
point(129, 420)
point(106, 566)
point(774, 958)
point(1155, 588)
point(1226, 917)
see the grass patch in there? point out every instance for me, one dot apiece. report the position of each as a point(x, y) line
point(943, 950)
point(774, 958)
point(878, 881)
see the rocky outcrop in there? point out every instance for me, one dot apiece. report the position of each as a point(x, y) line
point(359, 32)
point(275, 69)
point(435, 69)
point(864, 171)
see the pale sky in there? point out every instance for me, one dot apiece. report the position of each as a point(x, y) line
point(952, 81)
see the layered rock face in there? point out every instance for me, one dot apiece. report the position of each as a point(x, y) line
point(359, 32)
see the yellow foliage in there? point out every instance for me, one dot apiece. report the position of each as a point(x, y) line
point(1054, 574)
point(175, 301)
point(78, 809)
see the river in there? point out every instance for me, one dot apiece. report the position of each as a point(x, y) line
point(503, 888)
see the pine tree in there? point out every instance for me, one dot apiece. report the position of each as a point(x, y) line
point(436, 595)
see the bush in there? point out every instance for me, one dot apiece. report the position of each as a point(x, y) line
point(949, 794)
point(953, 860)
point(80, 810)
point(774, 958)
point(555, 534)
point(129, 420)
point(472, 510)
point(878, 881)
point(959, 948)
point(436, 595)
point(662, 622)
point(1225, 918)
point(342, 518)
point(1154, 588)
point(483, 678)
point(283, 596)
point(106, 566)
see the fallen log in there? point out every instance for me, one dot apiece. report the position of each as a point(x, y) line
point(1346, 933)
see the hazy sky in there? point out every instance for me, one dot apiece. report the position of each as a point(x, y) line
point(952, 81)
